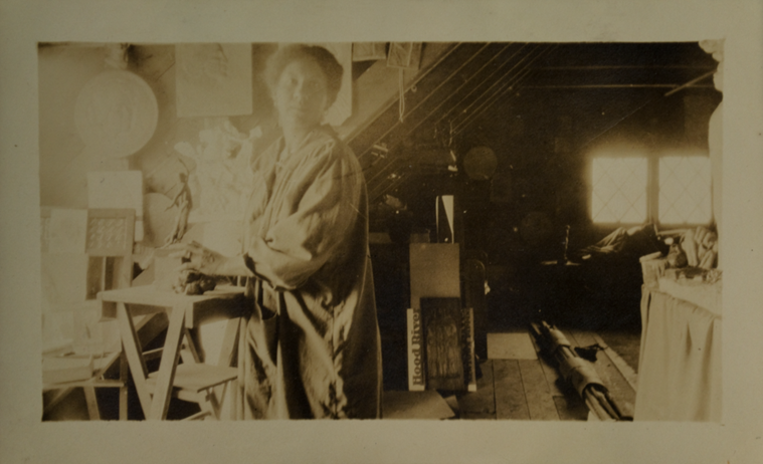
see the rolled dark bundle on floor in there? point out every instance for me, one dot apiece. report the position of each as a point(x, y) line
point(579, 372)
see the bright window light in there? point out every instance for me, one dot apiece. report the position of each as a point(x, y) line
point(619, 190)
point(685, 190)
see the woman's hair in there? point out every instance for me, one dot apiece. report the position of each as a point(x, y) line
point(284, 56)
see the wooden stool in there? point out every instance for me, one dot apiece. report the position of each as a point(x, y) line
point(191, 380)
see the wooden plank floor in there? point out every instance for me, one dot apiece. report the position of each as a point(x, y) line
point(531, 389)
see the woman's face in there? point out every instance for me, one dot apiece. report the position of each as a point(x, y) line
point(301, 96)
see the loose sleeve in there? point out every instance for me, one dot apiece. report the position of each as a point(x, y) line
point(325, 196)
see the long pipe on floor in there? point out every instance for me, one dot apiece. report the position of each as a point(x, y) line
point(579, 372)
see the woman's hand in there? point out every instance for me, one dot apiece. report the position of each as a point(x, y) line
point(198, 258)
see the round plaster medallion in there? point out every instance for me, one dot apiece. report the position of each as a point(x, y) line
point(116, 113)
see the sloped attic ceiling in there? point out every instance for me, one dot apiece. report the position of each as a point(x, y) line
point(473, 82)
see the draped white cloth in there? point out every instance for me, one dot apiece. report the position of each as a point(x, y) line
point(679, 376)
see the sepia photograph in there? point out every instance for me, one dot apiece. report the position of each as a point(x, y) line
point(441, 239)
point(524, 231)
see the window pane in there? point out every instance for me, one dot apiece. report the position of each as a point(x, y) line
point(619, 190)
point(685, 190)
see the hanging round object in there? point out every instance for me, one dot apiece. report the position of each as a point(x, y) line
point(116, 113)
point(480, 163)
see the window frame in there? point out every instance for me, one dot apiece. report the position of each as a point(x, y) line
point(652, 188)
point(591, 185)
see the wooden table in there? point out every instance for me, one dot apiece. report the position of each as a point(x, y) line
point(184, 312)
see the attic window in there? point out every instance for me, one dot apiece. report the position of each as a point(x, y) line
point(685, 190)
point(669, 190)
point(619, 190)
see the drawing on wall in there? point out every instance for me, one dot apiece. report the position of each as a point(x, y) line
point(213, 79)
point(405, 55)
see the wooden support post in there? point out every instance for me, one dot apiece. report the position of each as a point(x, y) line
point(132, 351)
point(123, 368)
point(239, 400)
point(168, 364)
point(92, 402)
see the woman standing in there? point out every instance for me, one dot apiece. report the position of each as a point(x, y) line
point(312, 342)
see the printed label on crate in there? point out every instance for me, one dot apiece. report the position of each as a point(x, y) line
point(415, 351)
